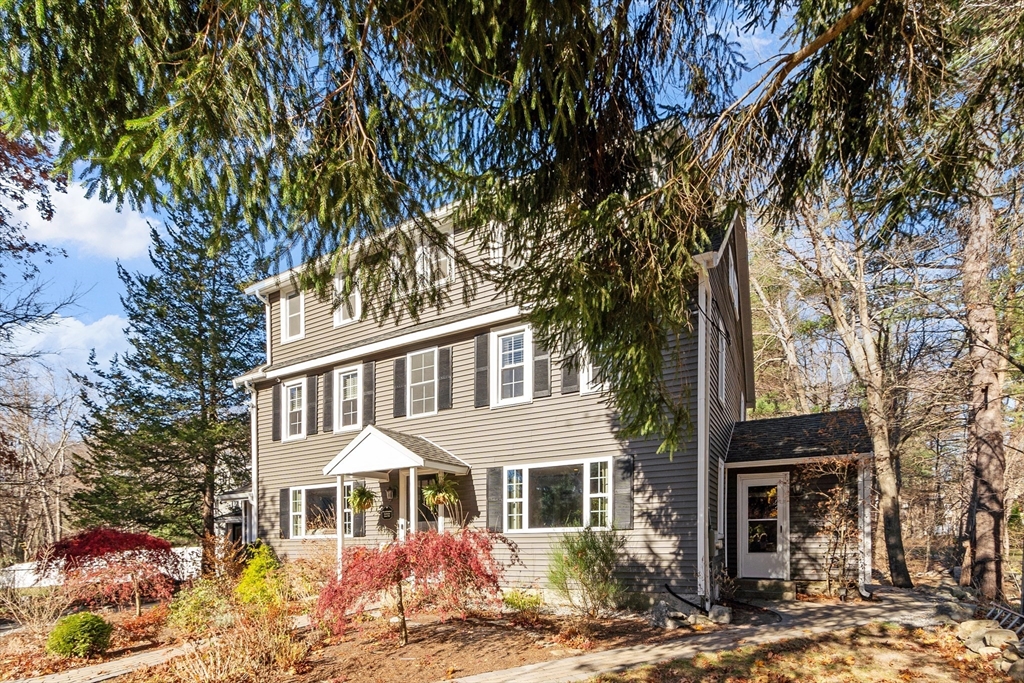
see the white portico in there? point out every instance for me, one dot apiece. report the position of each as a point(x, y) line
point(377, 451)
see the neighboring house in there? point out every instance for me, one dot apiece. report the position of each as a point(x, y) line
point(469, 393)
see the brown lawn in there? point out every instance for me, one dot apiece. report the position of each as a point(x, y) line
point(869, 654)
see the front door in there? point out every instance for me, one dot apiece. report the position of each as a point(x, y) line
point(763, 530)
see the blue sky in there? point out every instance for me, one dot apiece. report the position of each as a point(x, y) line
point(95, 236)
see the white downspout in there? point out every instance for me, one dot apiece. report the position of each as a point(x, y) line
point(413, 502)
point(703, 456)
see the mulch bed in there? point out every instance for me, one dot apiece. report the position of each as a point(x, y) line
point(463, 647)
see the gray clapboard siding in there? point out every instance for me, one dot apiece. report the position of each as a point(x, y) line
point(662, 544)
point(808, 547)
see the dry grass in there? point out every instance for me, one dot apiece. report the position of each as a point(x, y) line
point(871, 654)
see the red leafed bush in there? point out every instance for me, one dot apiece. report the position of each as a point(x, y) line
point(430, 570)
point(116, 566)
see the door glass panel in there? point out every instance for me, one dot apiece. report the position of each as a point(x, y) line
point(762, 536)
point(762, 502)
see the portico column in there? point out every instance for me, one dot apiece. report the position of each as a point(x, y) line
point(339, 516)
point(413, 500)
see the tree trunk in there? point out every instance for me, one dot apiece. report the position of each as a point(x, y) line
point(985, 417)
point(888, 494)
point(209, 512)
point(403, 631)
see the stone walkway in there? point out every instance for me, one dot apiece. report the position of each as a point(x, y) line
point(108, 670)
point(798, 619)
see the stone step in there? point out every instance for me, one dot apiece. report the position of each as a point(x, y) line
point(765, 589)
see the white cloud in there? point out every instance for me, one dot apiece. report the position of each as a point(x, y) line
point(67, 342)
point(97, 228)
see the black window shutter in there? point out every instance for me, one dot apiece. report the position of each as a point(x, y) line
point(444, 378)
point(622, 492)
point(399, 387)
point(541, 371)
point(328, 383)
point(286, 513)
point(311, 405)
point(495, 499)
point(359, 518)
point(481, 387)
point(369, 389)
point(275, 412)
point(570, 378)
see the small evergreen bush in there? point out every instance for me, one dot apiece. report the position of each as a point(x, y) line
point(262, 583)
point(80, 635)
point(582, 570)
point(518, 601)
point(204, 605)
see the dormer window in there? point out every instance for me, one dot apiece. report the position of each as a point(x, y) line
point(293, 324)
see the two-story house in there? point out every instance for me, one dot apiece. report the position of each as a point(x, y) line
point(343, 401)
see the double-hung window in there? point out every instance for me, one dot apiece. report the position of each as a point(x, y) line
point(295, 409)
point(592, 379)
point(349, 308)
point(349, 399)
point(433, 263)
point(314, 511)
point(293, 324)
point(560, 496)
point(422, 382)
point(512, 366)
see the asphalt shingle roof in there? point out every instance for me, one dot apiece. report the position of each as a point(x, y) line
point(424, 448)
point(803, 436)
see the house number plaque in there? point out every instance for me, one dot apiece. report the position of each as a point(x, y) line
point(385, 512)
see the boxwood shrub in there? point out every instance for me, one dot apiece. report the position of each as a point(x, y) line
point(80, 635)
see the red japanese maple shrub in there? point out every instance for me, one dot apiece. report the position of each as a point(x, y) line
point(440, 571)
point(115, 566)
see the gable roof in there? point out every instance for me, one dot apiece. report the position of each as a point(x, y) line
point(376, 450)
point(803, 436)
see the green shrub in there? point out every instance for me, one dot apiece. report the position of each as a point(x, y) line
point(204, 605)
point(80, 635)
point(582, 570)
point(519, 601)
point(262, 583)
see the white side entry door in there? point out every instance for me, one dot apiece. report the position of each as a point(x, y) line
point(763, 525)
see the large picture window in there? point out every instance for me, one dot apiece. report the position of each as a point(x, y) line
point(293, 324)
point(512, 352)
point(558, 496)
point(295, 405)
point(348, 402)
point(314, 512)
point(423, 382)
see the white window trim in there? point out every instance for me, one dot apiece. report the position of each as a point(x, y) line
point(722, 350)
point(495, 366)
point(285, 386)
point(441, 282)
point(408, 383)
point(338, 373)
point(734, 287)
point(357, 312)
point(587, 384)
point(525, 468)
point(347, 519)
point(285, 310)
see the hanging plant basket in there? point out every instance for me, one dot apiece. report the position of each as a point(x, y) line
point(361, 499)
point(443, 491)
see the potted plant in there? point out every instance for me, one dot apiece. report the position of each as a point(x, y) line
point(361, 499)
point(441, 491)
